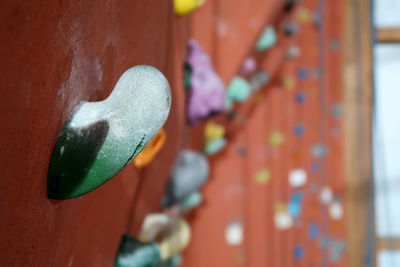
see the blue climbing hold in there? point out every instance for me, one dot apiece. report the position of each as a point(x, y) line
point(298, 129)
point(297, 197)
point(294, 206)
point(299, 252)
point(313, 231)
point(302, 73)
point(315, 166)
point(300, 97)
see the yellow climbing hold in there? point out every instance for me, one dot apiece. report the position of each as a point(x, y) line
point(258, 98)
point(280, 207)
point(213, 131)
point(288, 82)
point(184, 7)
point(304, 15)
point(275, 139)
point(262, 177)
point(240, 257)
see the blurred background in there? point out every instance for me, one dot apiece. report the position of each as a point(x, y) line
point(280, 149)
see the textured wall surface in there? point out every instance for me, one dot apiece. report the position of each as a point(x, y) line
point(54, 55)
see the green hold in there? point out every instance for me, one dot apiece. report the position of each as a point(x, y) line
point(133, 253)
point(191, 201)
point(267, 39)
point(100, 138)
point(239, 89)
point(215, 146)
point(187, 76)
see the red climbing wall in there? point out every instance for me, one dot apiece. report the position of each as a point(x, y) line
point(58, 53)
point(55, 54)
point(303, 104)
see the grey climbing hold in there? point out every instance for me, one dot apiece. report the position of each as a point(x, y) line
point(190, 172)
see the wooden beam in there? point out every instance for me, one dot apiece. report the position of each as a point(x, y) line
point(388, 35)
point(357, 73)
point(388, 243)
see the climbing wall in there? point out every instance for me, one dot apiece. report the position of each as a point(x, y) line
point(55, 55)
point(281, 178)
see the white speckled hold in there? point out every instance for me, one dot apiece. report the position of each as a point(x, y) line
point(326, 195)
point(297, 177)
point(336, 210)
point(234, 233)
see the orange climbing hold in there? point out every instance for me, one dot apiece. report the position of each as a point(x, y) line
point(151, 150)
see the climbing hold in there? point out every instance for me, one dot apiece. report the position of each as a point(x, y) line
point(234, 233)
point(213, 131)
point(336, 247)
point(297, 177)
point(175, 261)
point(289, 5)
point(313, 230)
point(280, 207)
point(302, 73)
point(335, 45)
point(215, 146)
point(151, 150)
point(275, 139)
point(177, 241)
point(267, 39)
point(336, 210)
point(300, 98)
point(238, 90)
point(298, 252)
point(317, 73)
point(298, 130)
point(288, 82)
point(188, 71)
point(184, 7)
point(262, 177)
point(153, 225)
point(100, 138)
point(304, 15)
point(337, 111)
point(293, 52)
point(171, 234)
point(326, 195)
point(258, 80)
point(319, 150)
point(189, 173)
point(191, 201)
point(249, 66)
point(290, 29)
point(240, 257)
point(294, 208)
point(207, 91)
point(258, 98)
point(315, 166)
point(283, 220)
point(132, 252)
point(242, 151)
point(317, 18)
